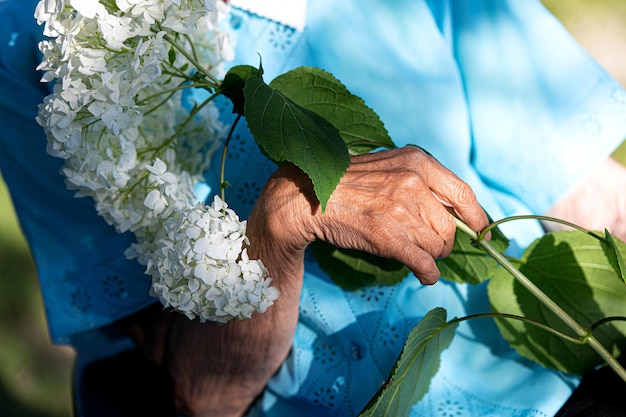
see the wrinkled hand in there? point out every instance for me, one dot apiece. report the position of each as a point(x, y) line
point(394, 204)
point(598, 202)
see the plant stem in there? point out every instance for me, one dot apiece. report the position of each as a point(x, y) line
point(606, 320)
point(223, 162)
point(582, 332)
point(562, 335)
point(157, 150)
point(192, 60)
point(497, 223)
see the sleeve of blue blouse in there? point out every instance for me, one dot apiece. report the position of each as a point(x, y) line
point(85, 280)
point(538, 103)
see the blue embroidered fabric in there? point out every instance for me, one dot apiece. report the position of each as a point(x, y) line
point(442, 74)
point(482, 87)
point(85, 280)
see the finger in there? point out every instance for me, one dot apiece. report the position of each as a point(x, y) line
point(447, 188)
point(413, 249)
point(426, 220)
point(400, 246)
point(440, 221)
point(459, 197)
point(416, 216)
point(421, 264)
point(408, 207)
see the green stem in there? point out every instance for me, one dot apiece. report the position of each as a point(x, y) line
point(192, 60)
point(497, 223)
point(605, 320)
point(163, 101)
point(157, 150)
point(580, 331)
point(577, 340)
point(167, 92)
point(223, 162)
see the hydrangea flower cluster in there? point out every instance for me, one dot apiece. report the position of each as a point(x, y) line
point(134, 142)
point(201, 269)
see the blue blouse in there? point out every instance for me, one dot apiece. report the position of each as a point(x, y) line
point(500, 93)
point(85, 280)
point(497, 91)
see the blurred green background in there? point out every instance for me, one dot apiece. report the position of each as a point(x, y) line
point(35, 376)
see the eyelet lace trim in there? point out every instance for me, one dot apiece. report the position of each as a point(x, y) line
point(290, 13)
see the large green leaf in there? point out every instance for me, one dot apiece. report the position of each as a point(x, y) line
point(417, 365)
point(319, 91)
point(468, 263)
point(363, 131)
point(573, 270)
point(287, 132)
point(353, 269)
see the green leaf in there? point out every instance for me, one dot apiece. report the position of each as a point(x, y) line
point(234, 82)
point(572, 269)
point(171, 56)
point(287, 132)
point(468, 263)
point(320, 92)
point(417, 365)
point(352, 269)
point(614, 256)
point(363, 131)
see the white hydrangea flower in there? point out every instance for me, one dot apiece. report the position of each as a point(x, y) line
point(117, 118)
point(88, 8)
point(115, 30)
point(199, 268)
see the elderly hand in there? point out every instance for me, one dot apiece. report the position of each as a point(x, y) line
point(394, 204)
point(598, 202)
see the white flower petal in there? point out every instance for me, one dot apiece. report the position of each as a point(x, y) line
point(88, 8)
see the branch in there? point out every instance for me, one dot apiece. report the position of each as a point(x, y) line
point(582, 332)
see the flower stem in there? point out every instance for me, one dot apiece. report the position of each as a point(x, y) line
point(158, 149)
point(192, 60)
point(580, 331)
point(223, 162)
point(562, 335)
point(606, 320)
point(497, 223)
